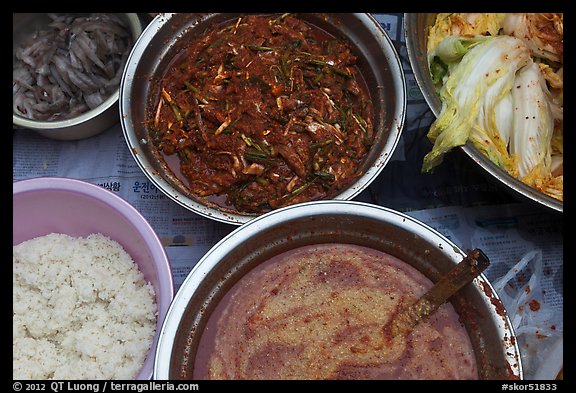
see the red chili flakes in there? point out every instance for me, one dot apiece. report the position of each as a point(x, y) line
point(534, 305)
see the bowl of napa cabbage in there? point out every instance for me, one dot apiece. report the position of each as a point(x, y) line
point(496, 96)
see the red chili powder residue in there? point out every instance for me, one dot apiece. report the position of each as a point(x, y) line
point(500, 310)
point(534, 305)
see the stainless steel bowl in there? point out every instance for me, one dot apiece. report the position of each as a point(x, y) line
point(87, 124)
point(378, 61)
point(359, 223)
point(415, 28)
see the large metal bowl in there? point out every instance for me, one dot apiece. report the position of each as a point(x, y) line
point(378, 61)
point(416, 28)
point(351, 222)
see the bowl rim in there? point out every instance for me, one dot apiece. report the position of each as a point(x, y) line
point(123, 207)
point(56, 125)
point(136, 146)
point(259, 224)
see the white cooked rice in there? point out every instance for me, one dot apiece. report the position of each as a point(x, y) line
point(81, 309)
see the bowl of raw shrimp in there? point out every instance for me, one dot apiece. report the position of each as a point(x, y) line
point(67, 70)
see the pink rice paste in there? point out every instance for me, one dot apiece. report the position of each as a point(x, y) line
point(318, 312)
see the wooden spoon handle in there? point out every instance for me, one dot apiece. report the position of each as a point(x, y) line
point(473, 264)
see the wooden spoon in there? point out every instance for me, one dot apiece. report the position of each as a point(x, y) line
point(474, 263)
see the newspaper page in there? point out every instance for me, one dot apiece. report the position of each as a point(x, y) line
point(458, 200)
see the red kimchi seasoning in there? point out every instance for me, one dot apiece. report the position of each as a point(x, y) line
point(263, 112)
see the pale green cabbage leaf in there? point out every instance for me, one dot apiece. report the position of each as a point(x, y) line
point(475, 97)
point(448, 53)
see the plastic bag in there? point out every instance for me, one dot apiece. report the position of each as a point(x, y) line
point(539, 330)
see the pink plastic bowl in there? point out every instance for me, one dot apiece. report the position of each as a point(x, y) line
point(77, 208)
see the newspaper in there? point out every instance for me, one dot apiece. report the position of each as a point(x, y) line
point(458, 201)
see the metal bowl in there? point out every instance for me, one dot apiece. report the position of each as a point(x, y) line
point(416, 28)
point(380, 228)
point(87, 124)
point(378, 61)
